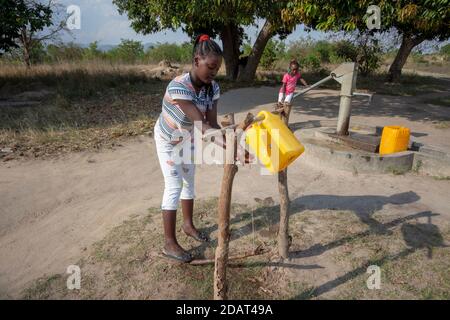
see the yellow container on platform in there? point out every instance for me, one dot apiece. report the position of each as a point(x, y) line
point(268, 136)
point(394, 139)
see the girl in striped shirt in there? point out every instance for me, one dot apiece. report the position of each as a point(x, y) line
point(188, 98)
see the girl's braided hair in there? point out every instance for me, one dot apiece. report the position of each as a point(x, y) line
point(293, 61)
point(203, 46)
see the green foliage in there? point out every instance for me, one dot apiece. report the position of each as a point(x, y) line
point(224, 18)
point(65, 52)
point(324, 50)
point(311, 62)
point(365, 51)
point(18, 14)
point(273, 51)
point(416, 21)
point(445, 50)
point(171, 52)
point(128, 51)
point(92, 52)
point(346, 50)
point(428, 18)
point(369, 57)
point(38, 53)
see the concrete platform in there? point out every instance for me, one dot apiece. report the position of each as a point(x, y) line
point(322, 147)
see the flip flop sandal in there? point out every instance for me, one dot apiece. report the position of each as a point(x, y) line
point(185, 257)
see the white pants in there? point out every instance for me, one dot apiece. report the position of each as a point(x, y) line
point(287, 99)
point(178, 178)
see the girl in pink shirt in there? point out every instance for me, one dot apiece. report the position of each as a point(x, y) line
point(290, 82)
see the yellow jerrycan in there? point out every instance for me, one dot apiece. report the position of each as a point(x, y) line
point(394, 139)
point(270, 135)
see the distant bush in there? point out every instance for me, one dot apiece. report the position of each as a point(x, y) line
point(64, 52)
point(310, 62)
point(128, 51)
point(38, 54)
point(445, 50)
point(365, 51)
point(92, 52)
point(274, 50)
point(171, 52)
point(324, 50)
point(346, 50)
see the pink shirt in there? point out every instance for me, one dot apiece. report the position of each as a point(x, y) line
point(291, 82)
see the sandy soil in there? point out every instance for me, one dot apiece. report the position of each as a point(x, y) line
point(51, 211)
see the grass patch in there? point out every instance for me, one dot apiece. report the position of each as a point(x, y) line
point(76, 107)
point(410, 251)
point(441, 178)
point(443, 125)
point(126, 265)
point(412, 256)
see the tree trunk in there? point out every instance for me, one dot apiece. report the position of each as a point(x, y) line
point(408, 43)
point(25, 42)
point(221, 257)
point(26, 57)
point(283, 232)
point(231, 40)
point(230, 170)
point(249, 71)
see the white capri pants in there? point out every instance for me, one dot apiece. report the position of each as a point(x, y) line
point(287, 99)
point(178, 178)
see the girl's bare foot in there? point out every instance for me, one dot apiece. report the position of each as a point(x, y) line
point(191, 231)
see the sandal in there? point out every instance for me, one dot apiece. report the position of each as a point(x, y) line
point(200, 237)
point(185, 257)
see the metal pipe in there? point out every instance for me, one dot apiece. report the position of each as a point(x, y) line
point(345, 108)
point(318, 83)
point(370, 95)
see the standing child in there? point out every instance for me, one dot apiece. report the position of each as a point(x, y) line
point(190, 97)
point(290, 82)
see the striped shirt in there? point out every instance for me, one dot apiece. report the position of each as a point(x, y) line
point(172, 117)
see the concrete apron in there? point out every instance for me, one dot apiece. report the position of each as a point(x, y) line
point(323, 150)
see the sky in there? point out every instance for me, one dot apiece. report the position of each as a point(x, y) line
point(100, 21)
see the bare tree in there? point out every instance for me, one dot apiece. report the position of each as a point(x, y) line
point(45, 26)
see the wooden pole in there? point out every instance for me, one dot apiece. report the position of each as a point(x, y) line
point(256, 252)
point(230, 170)
point(283, 232)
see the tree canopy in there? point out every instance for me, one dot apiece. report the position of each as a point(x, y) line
point(223, 18)
point(19, 14)
point(416, 21)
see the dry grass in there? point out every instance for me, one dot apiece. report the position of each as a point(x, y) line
point(53, 109)
point(443, 125)
point(74, 107)
point(411, 252)
point(126, 264)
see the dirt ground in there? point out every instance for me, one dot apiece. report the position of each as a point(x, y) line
point(53, 211)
